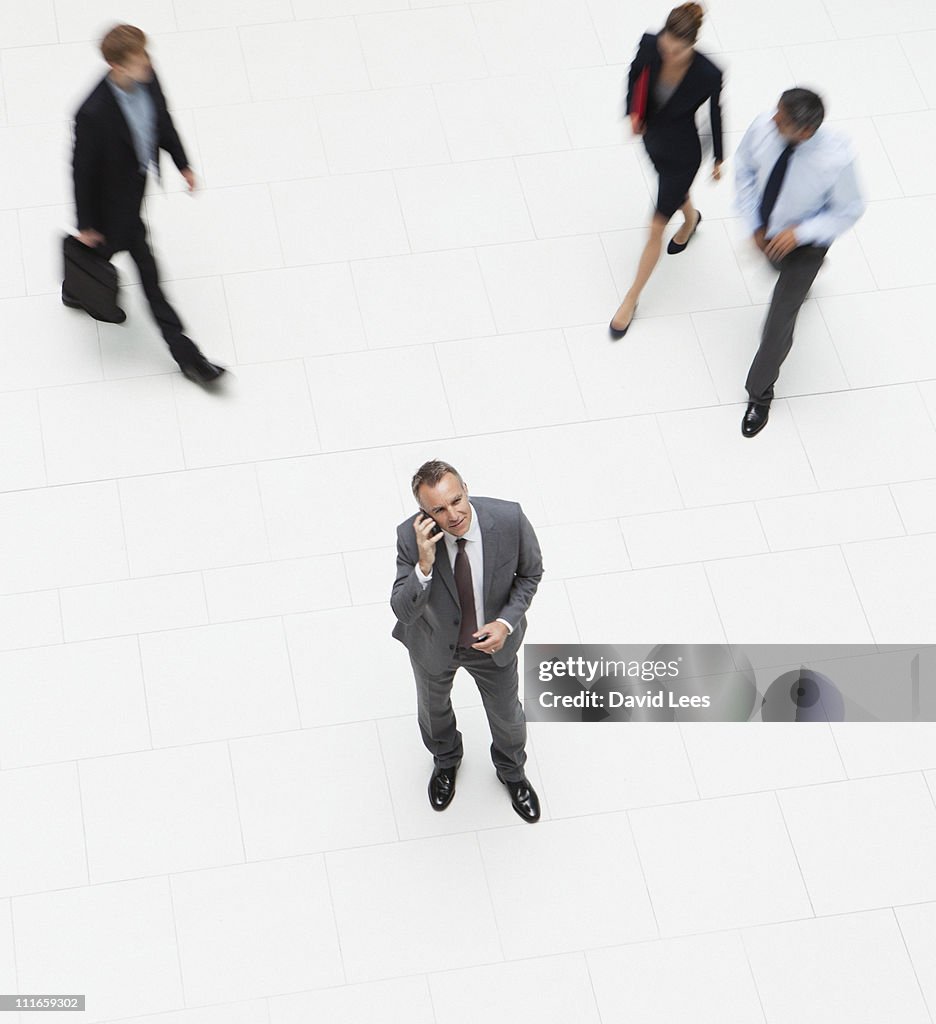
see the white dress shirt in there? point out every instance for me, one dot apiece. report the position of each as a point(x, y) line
point(475, 552)
point(820, 195)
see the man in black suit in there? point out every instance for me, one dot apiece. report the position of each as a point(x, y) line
point(466, 574)
point(119, 130)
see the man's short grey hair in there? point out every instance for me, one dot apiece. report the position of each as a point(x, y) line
point(430, 473)
point(803, 107)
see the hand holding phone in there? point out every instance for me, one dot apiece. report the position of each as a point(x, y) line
point(428, 535)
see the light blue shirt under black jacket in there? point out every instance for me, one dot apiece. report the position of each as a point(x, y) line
point(139, 109)
point(820, 195)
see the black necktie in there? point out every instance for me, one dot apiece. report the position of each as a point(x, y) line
point(469, 618)
point(774, 184)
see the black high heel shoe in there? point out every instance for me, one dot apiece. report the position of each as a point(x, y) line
point(617, 333)
point(675, 247)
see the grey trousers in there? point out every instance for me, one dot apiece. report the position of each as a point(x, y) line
point(798, 270)
point(499, 694)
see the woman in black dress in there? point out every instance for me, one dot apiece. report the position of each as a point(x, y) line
point(675, 80)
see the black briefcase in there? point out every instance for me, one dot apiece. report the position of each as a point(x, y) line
point(90, 282)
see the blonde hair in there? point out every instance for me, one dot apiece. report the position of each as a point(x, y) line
point(121, 42)
point(684, 22)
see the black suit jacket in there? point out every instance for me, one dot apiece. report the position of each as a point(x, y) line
point(108, 183)
point(428, 618)
point(671, 129)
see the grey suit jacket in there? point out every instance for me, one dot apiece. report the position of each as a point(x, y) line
point(428, 618)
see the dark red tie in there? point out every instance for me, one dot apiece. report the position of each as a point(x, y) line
point(469, 618)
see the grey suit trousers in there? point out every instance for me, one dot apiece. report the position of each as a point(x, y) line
point(498, 686)
point(798, 270)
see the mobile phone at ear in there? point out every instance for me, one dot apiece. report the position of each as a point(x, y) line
point(435, 526)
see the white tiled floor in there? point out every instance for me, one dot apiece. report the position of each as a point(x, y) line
point(415, 221)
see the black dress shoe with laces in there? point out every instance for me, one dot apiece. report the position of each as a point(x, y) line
point(755, 419)
point(442, 787)
point(201, 371)
point(523, 798)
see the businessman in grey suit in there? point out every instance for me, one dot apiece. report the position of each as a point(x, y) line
point(467, 571)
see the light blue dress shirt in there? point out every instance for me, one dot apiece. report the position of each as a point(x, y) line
point(820, 196)
point(139, 110)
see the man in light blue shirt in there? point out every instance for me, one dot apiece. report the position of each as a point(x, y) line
point(797, 192)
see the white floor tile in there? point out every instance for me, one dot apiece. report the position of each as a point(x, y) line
point(390, 883)
point(250, 1012)
point(210, 14)
point(48, 83)
point(365, 585)
point(215, 231)
point(328, 8)
point(344, 217)
point(871, 351)
point(408, 300)
point(190, 79)
point(196, 520)
point(551, 990)
point(537, 285)
point(8, 953)
point(133, 606)
point(30, 620)
point(414, 47)
point(661, 367)
point(884, 748)
point(584, 191)
point(294, 791)
point(26, 26)
point(22, 459)
point(894, 237)
point(160, 811)
point(276, 588)
point(917, 47)
point(916, 928)
point(773, 464)
point(896, 587)
point(877, 423)
point(634, 983)
point(115, 941)
point(111, 429)
point(399, 1001)
point(619, 908)
point(457, 205)
point(269, 324)
point(753, 598)
point(584, 549)
point(38, 554)
point(56, 345)
point(754, 78)
point(836, 517)
point(259, 142)
point(41, 230)
point(693, 535)
point(589, 769)
point(863, 844)
point(866, 18)
point(12, 264)
point(741, 871)
point(378, 130)
point(257, 412)
point(218, 682)
point(540, 360)
point(592, 104)
point(839, 67)
point(580, 452)
point(383, 383)
point(646, 607)
point(90, 19)
point(730, 758)
point(809, 972)
point(243, 933)
point(876, 172)
point(492, 117)
point(910, 142)
point(332, 688)
point(916, 503)
point(523, 36)
point(50, 852)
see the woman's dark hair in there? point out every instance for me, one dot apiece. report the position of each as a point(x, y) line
point(684, 22)
point(803, 107)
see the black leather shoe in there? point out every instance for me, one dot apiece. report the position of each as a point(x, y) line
point(675, 247)
point(615, 332)
point(201, 371)
point(442, 787)
point(523, 798)
point(67, 300)
point(755, 419)
point(118, 318)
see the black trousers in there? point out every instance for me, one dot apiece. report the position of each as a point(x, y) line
point(498, 687)
point(183, 349)
point(798, 270)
